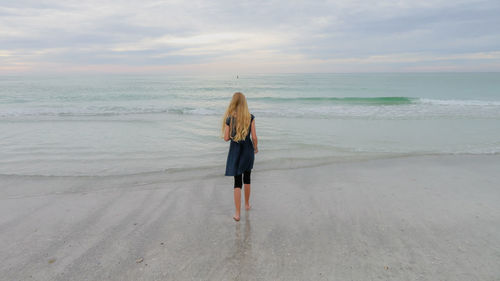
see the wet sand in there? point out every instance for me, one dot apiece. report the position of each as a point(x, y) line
point(407, 218)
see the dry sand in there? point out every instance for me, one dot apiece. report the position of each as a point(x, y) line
point(409, 218)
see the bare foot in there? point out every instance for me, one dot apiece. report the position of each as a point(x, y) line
point(236, 218)
point(247, 207)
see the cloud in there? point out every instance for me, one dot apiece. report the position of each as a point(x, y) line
point(249, 36)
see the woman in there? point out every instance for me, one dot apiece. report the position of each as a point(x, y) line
point(237, 125)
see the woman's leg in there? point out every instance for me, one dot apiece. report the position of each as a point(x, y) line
point(246, 180)
point(247, 196)
point(237, 203)
point(237, 196)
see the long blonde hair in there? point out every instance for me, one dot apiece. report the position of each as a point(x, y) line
point(238, 109)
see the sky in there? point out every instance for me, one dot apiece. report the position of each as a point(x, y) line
point(200, 37)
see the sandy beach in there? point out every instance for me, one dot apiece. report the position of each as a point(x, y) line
point(406, 218)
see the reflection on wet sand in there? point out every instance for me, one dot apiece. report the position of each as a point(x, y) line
point(242, 249)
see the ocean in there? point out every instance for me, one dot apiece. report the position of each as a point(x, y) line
point(116, 125)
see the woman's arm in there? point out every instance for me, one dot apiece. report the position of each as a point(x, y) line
point(226, 134)
point(254, 138)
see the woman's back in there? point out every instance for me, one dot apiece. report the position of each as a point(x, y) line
point(241, 153)
point(231, 120)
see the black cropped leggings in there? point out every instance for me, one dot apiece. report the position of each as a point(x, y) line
point(246, 179)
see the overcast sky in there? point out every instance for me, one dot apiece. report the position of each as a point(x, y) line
point(240, 36)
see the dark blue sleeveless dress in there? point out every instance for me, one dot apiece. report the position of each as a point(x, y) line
point(241, 154)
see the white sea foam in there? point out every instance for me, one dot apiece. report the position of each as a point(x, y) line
point(455, 102)
point(421, 108)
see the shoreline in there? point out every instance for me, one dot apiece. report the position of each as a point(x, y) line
point(266, 165)
point(417, 217)
point(179, 175)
